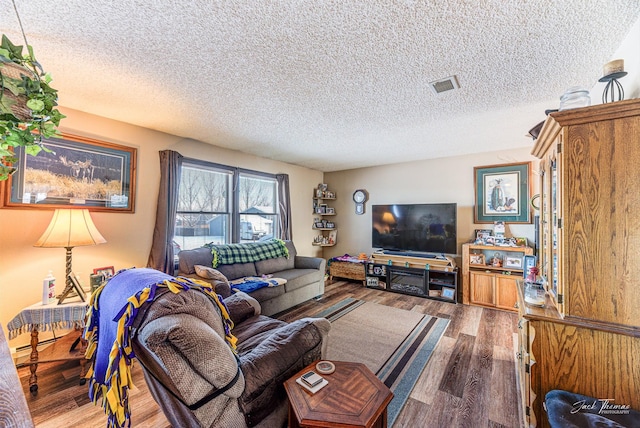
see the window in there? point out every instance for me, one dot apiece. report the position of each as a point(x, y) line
point(258, 206)
point(212, 209)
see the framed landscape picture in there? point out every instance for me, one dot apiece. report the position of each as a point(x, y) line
point(502, 193)
point(77, 172)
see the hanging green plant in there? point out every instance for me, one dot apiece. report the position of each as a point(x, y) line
point(27, 105)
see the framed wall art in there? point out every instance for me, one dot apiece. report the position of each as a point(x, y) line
point(77, 172)
point(502, 193)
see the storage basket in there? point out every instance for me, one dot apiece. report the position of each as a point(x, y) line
point(347, 270)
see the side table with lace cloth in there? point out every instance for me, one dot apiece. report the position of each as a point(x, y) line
point(39, 317)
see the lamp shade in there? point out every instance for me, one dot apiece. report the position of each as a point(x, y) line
point(70, 228)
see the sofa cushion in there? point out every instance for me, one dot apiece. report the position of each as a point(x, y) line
point(297, 278)
point(238, 270)
point(267, 293)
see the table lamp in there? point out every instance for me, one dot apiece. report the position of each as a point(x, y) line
point(70, 228)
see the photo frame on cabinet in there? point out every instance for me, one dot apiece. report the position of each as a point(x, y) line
point(482, 233)
point(502, 193)
point(76, 172)
point(476, 259)
point(513, 262)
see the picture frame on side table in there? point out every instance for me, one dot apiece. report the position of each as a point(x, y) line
point(76, 172)
point(75, 287)
point(107, 271)
point(502, 193)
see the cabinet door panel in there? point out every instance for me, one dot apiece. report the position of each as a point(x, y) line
point(506, 293)
point(482, 288)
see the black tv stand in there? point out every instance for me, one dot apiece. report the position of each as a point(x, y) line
point(434, 278)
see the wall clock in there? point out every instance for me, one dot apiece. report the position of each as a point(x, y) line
point(360, 196)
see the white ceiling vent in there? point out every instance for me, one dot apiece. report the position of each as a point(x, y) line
point(444, 85)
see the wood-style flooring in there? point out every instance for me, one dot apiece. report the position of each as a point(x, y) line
point(470, 380)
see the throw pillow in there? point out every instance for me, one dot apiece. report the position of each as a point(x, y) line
point(210, 273)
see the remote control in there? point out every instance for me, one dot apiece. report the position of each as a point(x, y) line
point(311, 378)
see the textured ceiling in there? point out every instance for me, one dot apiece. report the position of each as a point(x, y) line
point(326, 84)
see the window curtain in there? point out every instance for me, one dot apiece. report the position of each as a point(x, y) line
point(161, 256)
point(284, 202)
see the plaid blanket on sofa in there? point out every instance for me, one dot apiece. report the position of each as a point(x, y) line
point(228, 254)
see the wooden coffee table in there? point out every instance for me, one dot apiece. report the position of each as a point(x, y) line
point(354, 397)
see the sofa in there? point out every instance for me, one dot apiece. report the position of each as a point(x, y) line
point(304, 275)
point(208, 362)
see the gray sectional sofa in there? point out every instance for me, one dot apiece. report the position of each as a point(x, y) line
point(304, 275)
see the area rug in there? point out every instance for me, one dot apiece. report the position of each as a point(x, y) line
point(395, 344)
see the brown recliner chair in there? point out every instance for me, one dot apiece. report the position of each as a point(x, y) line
point(195, 377)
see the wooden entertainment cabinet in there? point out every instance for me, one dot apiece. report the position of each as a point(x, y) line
point(586, 339)
point(432, 276)
point(484, 284)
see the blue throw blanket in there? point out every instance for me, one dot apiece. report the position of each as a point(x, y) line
point(112, 311)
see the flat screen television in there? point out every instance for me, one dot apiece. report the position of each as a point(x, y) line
point(429, 228)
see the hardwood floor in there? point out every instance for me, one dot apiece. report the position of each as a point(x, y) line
point(469, 381)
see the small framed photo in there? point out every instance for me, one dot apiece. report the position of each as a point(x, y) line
point(319, 225)
point(331, 210)
point(476, 259)
point(482, 233)
point(513, 262)
point(330, 225)
point(521, 242)
point(323, 187)
point(498, 227)
point(448, 293)
point(95, 281)
point(318, 193)
point(107, 271)
point(77, 287)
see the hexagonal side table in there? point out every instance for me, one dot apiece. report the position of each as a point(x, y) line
point(354, 397)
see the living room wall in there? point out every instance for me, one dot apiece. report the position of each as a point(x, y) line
point(23, 267)
point(429, 181)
